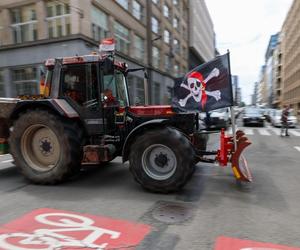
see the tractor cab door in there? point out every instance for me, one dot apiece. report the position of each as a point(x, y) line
point(80, 87)
point(114, 96)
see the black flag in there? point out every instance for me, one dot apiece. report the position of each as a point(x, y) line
point(206, 87)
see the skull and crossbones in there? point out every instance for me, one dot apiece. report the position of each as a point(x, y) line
point(196, 85)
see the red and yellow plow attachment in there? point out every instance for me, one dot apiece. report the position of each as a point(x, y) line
point(231, 150)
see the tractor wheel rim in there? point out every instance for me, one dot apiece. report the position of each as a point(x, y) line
point(40, 147)
point(159, 162)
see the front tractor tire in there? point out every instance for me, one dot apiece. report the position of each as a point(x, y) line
point(46, 148)
point(162, 160)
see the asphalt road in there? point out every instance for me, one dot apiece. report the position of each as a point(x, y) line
point(211, 205)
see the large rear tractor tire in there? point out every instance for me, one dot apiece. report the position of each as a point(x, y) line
point(162, 160)
point(46, 148)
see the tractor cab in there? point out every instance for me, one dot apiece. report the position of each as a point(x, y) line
point(93, 85)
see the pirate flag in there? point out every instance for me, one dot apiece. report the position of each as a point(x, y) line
point(206, 87)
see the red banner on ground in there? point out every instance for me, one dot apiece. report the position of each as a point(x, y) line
point(225, 243)
point(56, 229)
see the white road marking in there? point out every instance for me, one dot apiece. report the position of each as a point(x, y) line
point(264, 132)
point(276, 131)
point(297, 148)
point(7, 161)
point(4, 155)
point(248, 131)
point(295, 133)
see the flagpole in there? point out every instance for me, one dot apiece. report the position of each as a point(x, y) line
point(233, 122)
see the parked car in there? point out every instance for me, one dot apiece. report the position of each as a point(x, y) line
point(276, 119)
point(216, 119)
point(253, 116)
point(268, 114)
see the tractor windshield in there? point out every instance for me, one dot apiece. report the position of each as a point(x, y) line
point(115, 90)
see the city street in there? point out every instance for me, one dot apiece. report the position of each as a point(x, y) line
point(211, 205)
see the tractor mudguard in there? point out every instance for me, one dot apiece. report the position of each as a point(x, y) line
point(58, 106)
point(136, 131)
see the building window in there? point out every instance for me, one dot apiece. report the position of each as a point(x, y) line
point(175, 2)
point(168, 63)
point(155, 2)
point(154, 25)
point(176, 70)
point(166, 11)
point(155, 57)
point(122, 38)
point(175, 22)
point(176, 46)
point(137, 10)
point(99, 24)
point(123, 3)
point(156, 93)
point(25, 80)
point(2, 86)
point(24, 24)
point(58, 19)
point(139, 47)
point(167, 36)
point(140, 91)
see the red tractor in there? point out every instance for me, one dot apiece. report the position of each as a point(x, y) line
point(84, 117)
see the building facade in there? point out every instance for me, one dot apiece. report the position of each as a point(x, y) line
point(290, 48)
point(202, 35)
point(151, 34)
point(277, 83)
point(270, 69)
point(237, 95)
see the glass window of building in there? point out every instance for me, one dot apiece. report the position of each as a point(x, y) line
point(176, 70)
point(123, 3)
point(25, 80)
point(155, 1)
point(168, 63)
point(166, 11)
point(137, 10)
point(167, 37)
point(99, 24)
point(175, 22)
point(176, 46)
point(122, 38)
point(155, 57)
point(156, 93)
point(58, 18)
point(175, 2)
point(154, 25)
point(139, 47)
point(24, 24)
point(2, 87)
point(140, 92)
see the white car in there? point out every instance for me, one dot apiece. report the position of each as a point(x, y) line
point(276, 119)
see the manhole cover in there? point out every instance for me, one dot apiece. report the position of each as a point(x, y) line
point(172, 213)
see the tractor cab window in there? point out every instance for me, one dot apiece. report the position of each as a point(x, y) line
point(80, 84)
point(48, 80)
point(115, 90)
